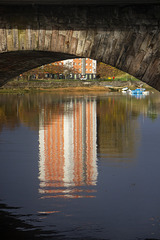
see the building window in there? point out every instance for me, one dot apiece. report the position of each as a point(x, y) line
point(90, 64)
point(79, 63)
point(90, 70)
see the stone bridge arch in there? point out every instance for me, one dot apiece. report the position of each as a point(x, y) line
point(126, 37)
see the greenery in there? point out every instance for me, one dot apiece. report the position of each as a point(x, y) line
point(104, 73)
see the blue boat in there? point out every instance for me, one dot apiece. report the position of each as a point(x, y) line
point(137, 91)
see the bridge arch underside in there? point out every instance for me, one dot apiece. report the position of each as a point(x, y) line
point(124, 37)
point(12, 64)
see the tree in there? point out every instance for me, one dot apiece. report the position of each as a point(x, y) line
point(34, 72)
point(52, 68)
point(106, 71)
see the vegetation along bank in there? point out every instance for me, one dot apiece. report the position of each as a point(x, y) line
point(69, 85)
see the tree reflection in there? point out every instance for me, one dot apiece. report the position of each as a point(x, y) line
point(116, 116)
point(8, 112)
point(116, 127)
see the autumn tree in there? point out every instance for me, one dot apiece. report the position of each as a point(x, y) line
point(105, 71)
point(52, 68)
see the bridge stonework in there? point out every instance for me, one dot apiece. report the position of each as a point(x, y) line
point(126, 37)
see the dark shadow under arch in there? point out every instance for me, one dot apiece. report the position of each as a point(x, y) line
point(13, 64)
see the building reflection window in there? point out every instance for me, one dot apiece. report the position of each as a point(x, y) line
point(67, 149)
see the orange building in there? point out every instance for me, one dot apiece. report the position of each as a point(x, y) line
point(85, 67)
point(67, 150)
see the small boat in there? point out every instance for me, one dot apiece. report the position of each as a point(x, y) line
point(125, 89)
point(137, 91)
point(145, 93)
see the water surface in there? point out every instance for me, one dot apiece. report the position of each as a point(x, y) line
point(80, 166)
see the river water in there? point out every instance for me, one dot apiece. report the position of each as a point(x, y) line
point(82, 166)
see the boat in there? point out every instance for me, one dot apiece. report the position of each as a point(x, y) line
point(145, 93)
point(125, 89)
point(138, 91)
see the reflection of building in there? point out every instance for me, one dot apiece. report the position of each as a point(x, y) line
point(67, 145)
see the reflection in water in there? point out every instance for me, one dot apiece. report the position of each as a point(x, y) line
point(118, 133)
point(88, 167)
point(67, 146)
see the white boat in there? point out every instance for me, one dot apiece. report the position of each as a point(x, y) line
point(124, 89)
point(145, 93)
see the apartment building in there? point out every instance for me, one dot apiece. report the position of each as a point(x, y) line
point(80, 67)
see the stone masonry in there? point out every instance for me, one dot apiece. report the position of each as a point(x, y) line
point(126, 37)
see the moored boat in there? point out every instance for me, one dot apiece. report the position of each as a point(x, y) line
point(137, 91)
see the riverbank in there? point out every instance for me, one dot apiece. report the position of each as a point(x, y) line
point(69, 86)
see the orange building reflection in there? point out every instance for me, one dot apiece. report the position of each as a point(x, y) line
point(67, 148)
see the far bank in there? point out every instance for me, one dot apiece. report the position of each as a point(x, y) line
point(70, 85)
